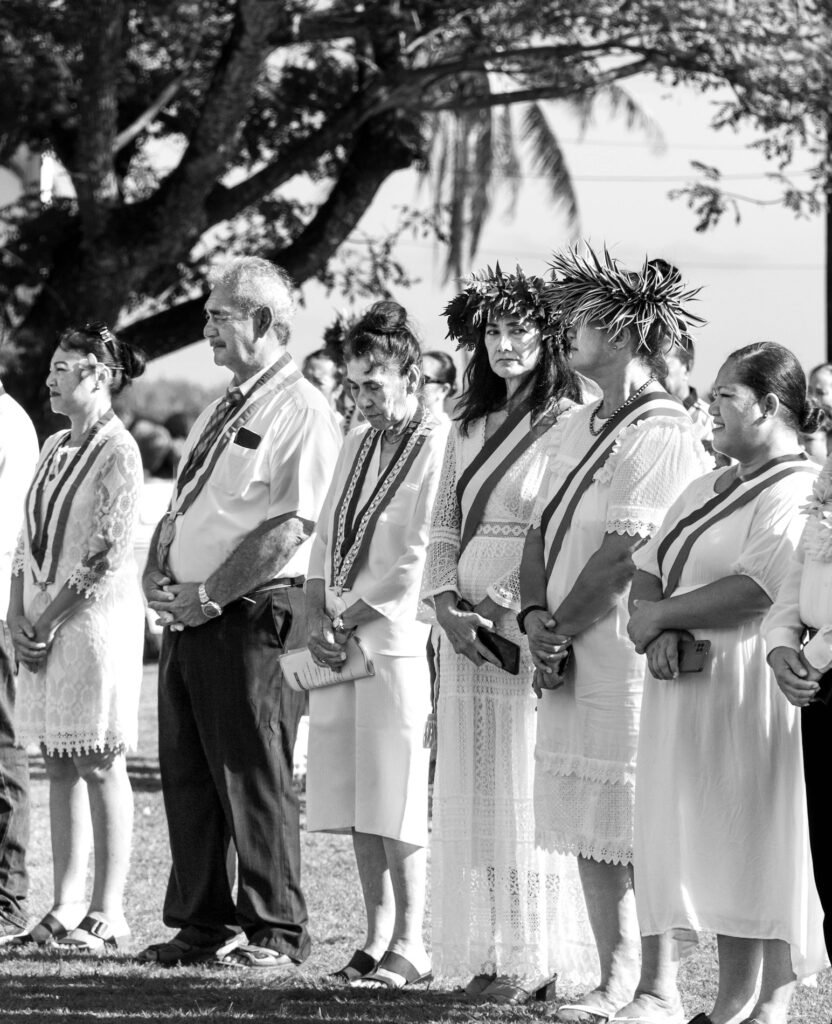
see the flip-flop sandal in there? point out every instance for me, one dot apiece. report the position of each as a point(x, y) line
point(256, 957)
point(91, 936)
point(50, 924)
point(400, 974)
point(361, 964)
point(177, 951)
point(589, 1014)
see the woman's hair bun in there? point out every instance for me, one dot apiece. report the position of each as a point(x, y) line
point(133, 361)
point(384, 317)
point(811, 419)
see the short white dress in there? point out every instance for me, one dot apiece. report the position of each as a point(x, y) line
point(367, 766)
point(85, 697)
point(588, 729)
point(721, 837)
point(500, 904)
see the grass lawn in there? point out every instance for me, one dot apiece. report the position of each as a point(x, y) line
point(36, 987)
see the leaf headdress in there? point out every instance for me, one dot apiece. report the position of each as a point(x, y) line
point(493, 293)
point(596, 289)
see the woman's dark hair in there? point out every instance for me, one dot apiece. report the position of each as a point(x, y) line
point(768, 368)
point(96, 338)
point(384, 335)
point(447, 369)
point(485, 392)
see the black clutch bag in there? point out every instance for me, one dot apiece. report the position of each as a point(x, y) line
point(505, 651)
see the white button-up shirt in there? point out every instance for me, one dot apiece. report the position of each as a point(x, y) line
point(287, 474)
point(18, 456)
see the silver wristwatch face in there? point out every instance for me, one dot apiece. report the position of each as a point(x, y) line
point(211, 610)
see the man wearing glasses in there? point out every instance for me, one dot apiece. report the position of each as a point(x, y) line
point(225, 573)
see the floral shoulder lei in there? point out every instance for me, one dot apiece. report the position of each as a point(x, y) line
point(493, 293)
point(817, 538)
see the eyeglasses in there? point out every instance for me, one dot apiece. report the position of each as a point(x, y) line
point(212, 316)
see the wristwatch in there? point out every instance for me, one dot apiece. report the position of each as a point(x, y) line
point(210, 609)
point(521, 615)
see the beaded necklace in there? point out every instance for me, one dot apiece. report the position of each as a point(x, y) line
point(620, 409)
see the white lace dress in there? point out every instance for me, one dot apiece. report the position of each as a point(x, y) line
point(85, 697)
point(588, 729)
point(499, 904)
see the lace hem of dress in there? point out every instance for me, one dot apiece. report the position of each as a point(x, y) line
point(586, 768)
point(587, 847)
point(632, 527)
point(17, 563)
point(79, 745)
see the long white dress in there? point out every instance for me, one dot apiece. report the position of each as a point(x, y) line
point(588, 729)
point(722, 841)
point(367, 766)
point(85, 697)
point(499, 904)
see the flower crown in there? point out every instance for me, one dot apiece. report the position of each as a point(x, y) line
point(493, 293)
point(597, 289)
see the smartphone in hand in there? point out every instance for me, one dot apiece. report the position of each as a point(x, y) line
point(693, 654)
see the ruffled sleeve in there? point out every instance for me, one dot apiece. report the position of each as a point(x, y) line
point(440, 572)
point(651, 464)
point(117, 489)
point(774, 535)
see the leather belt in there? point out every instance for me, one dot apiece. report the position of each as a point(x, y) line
point(280, 583)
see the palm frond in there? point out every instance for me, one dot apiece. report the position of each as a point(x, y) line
point(506, 159)
point(595, 288)
point(620, 104)
point(548, 160)
point(479, 205)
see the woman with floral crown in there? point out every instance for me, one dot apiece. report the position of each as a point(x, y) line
point(622, 461)
point(506, 916)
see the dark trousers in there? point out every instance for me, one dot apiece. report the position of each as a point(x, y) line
point(227, 727)
point(816, 723)
point(14, 796)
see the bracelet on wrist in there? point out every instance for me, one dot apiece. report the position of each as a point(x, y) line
point(521, 615)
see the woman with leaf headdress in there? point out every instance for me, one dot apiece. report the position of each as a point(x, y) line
point(505, 915)
point(622, 462)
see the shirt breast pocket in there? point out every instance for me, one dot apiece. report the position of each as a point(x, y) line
point(402, 506)
point(236, 469)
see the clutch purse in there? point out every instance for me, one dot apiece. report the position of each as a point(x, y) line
point(302, 674)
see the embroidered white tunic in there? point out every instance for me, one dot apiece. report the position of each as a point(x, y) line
point(85, 696)
point(367, 766)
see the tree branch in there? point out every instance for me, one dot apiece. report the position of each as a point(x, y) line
point(227, 99)
point(149, 115)
point(379, 149)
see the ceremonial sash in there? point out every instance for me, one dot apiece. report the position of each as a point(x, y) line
point(353, 526)
point(499, 453)
point(187, 491)
point(46, 527)
point(676, 545)
point(557, 516)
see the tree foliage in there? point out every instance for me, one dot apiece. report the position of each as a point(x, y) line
point(184, 125)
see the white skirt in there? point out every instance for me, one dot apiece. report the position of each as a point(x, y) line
point(367, 766)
